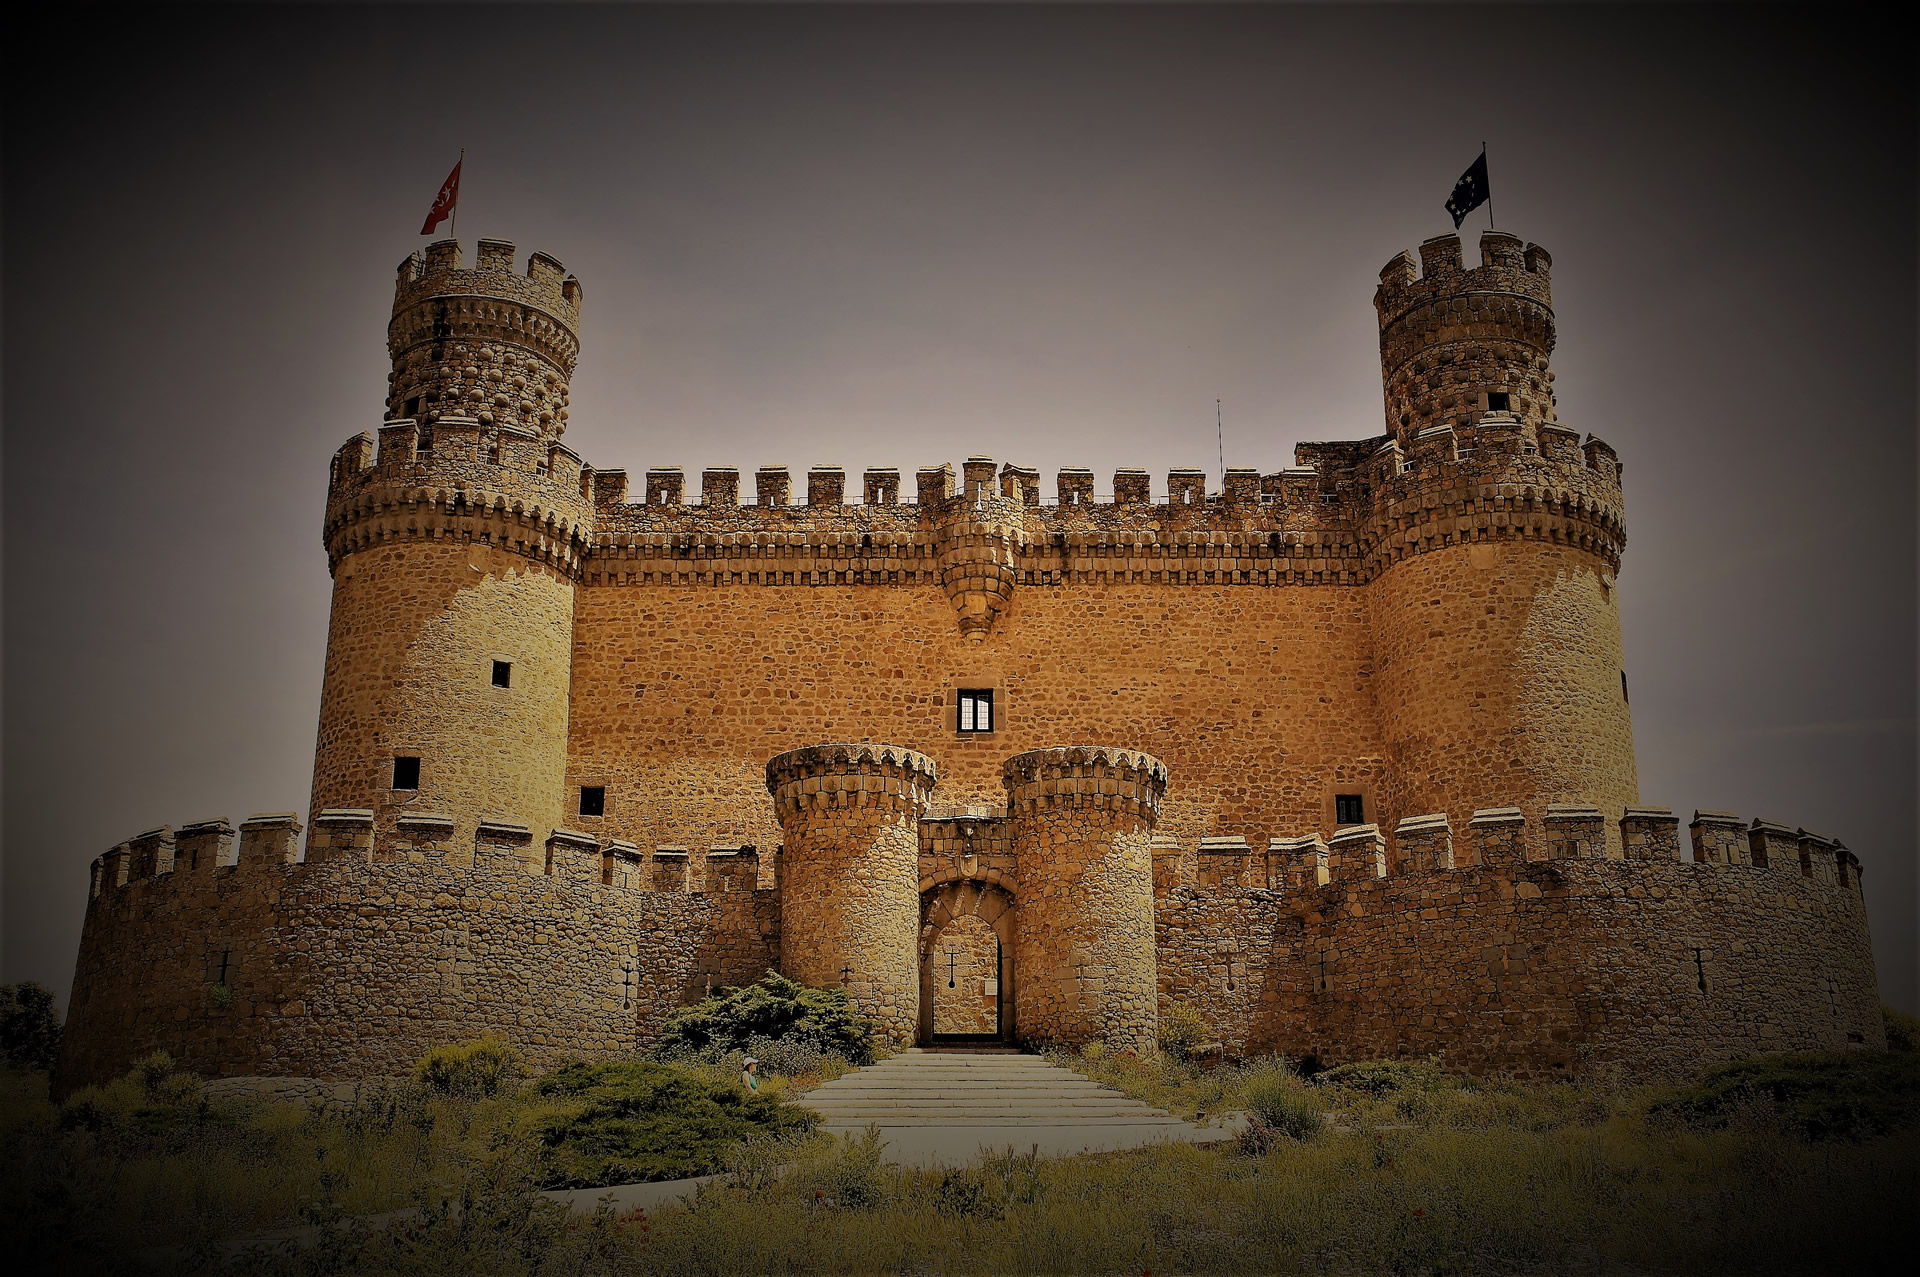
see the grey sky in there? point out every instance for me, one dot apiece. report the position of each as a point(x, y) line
point(898, 236)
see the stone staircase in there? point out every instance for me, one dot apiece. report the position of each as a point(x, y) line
point(938, 1107)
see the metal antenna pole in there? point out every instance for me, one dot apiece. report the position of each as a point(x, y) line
point(1220, 438)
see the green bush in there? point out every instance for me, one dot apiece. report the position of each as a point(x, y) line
point(477, 1070)
point(1387, 1077)
point(1820, 1094)
point(152, 1096)
point(1279, 1107)
point(815, 1020)
point(624, 1121)
point(1182, 1029)
point(29, 1027)
point(1903, 1030)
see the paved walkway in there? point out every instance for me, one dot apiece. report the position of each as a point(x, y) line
point(943, 1108)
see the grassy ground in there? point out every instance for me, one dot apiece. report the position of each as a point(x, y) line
point(1417, 1172)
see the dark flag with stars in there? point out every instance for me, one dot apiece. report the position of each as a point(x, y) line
point(1470, 192)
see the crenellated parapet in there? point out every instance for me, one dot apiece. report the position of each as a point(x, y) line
point(1098, 776)
point(460, 482)
point(849, 775)
point(489, 342)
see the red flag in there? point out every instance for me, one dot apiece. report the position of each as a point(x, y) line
point(443, 202)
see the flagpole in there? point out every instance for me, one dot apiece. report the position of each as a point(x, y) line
point(1483, 156)
point(461, 165)
point(1220, 436)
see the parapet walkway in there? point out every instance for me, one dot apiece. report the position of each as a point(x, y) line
point(943, 1108)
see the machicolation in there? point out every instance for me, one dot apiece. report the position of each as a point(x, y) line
point(1360, 778)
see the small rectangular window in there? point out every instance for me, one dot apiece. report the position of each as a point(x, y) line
point(593, 800)
point(1349, 810)
point(406, 773)
point(1623, 687)
point(1499, 401)
point(503, 673)
point(976, 710)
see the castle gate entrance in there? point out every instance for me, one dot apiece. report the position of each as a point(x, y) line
point(967, 932)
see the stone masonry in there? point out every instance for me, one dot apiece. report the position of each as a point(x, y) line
point(1368, 788)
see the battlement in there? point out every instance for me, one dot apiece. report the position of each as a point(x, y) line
point(460, 480)
point(1498, 838)
point(438, 271)
point(1505, 267)
point(1348, 510)
point(206, 854)
point(1099, 776)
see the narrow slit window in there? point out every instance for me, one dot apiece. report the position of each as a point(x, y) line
point(406, 773)
point(1348, 809)
point(503, 673)
point(1499, 401)
point(1623, 687)
point(593, 800)
point(976, 710)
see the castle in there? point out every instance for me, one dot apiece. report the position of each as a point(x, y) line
point(1339, 755)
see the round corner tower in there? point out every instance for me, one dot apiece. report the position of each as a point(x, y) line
point(850, 886)
point(1083, 818)
point(1496, 536)
point(455, 541)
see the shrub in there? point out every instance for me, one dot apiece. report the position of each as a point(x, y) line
point(1280, 1107)
point(1821, 1094)
point(1387, 1077)
point(476, 1069)
point(151, 1096)
point(623, 1121)
point(29, 1027)
point(776, 1009)
point(1182, 1029)
point(1903, 1030)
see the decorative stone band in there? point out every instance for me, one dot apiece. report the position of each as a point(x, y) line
point(512, 524)
point(864, 775)
point(1356, 853)
point(1650, 833)
point(1423, 842)
point(1085, 776)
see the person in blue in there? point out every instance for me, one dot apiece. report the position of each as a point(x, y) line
point(749, 1075)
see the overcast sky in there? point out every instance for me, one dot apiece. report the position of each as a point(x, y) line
point(897, 236)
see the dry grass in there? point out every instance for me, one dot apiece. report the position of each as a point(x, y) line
point(1449, 1179)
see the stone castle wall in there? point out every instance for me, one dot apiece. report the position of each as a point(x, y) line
point(1541, 967)
point(358, 959)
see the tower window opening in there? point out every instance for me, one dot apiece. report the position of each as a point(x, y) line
point(1623, 687)
point(1499, 401)
point(593, 800)
point(1349, 809)
point(412, 408)
point(406, 773)
point(503, 673)
point(976, 710)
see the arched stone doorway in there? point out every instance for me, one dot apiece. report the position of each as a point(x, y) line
point(965, 905)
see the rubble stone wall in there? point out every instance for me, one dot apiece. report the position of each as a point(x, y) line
point(347, 967)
